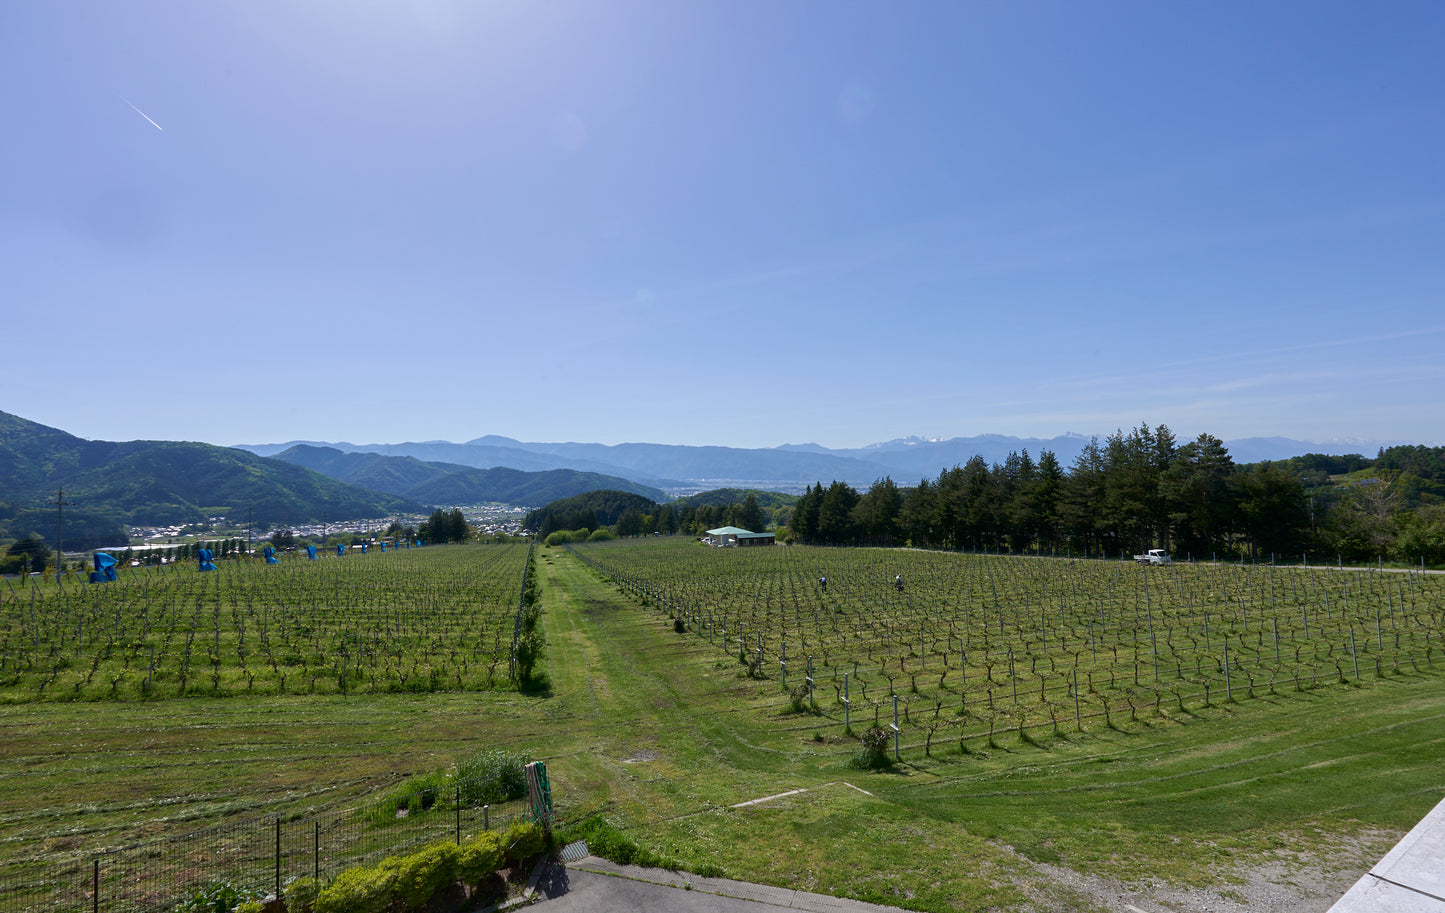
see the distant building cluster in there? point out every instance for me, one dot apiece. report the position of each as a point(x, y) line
point(491, 520)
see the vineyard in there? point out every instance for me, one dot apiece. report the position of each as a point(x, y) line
point(422, 620)
point(956, 647)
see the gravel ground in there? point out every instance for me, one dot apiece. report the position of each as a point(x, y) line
point(1289, 882)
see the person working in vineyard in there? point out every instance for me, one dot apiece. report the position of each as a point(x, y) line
point(898, 583)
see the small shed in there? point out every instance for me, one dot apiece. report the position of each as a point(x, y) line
point(733, 536)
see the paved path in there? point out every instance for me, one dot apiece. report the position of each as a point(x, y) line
point(593, 885)
point(1410, 879)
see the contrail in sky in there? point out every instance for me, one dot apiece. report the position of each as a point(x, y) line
point(145, 115)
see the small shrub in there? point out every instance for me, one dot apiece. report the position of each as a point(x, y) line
point(300, 893)
point(798, 699)
point(219, 897)
point(420, 875)
point(423, 792)
point(530, 647)
point(365, 889)
point(605, 840)
point(478, 859)
point(492, 776)
point(872, 753)
point(522, 841)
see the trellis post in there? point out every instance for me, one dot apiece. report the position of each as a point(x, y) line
point(896, 756)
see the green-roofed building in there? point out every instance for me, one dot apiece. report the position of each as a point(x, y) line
point(735, 536)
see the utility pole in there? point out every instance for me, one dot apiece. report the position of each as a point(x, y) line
point(60, 503)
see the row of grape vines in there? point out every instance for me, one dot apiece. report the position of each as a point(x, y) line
point(971, 643)
point(434, 619)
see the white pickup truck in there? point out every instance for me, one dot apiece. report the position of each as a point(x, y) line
point(1153, 556)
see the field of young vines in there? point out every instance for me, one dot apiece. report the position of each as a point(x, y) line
point(974, 644)
point(421, 620)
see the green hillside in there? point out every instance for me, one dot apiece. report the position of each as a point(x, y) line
point(722, 497)
point(395, 475)
point(141, 483)
point(450, 483)
point(591, 510)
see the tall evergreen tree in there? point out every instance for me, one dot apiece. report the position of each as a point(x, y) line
point(1047, 498)
point(750, 516)
point(1083, 500)
point(876, 513)
point(917, 513)
point(1272, 510)
point(1197, 492)
point(667, 520)
point(835, 514)
point(804, 523)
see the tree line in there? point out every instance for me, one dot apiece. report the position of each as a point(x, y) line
point(625, 514)
point(444, 526)
point(1141, 489)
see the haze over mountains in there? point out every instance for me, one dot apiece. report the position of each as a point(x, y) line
point(679, 468)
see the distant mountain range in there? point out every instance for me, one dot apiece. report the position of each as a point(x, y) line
point(451, 483)
point(679, 468)
point(110, 486)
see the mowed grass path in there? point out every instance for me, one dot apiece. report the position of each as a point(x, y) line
point(663, 736)
point(1328, 777)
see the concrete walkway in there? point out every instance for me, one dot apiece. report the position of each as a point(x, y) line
point(593, 885)
point(1411, 877)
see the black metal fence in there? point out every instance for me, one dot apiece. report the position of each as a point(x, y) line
point(258, 855)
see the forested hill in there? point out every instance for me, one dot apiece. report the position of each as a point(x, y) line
point(450, 483)
point(723, 497)
point(748, 508)
point(592, 510)
point(111, 485)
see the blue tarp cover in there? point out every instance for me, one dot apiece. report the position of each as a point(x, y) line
point(104, 568)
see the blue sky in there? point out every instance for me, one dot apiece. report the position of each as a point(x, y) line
point(739, 223)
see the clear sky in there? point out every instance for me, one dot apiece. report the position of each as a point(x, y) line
point(739, 222)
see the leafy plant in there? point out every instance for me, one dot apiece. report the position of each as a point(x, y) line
point(421, 874)
point(218, 897)
point(478, 859)
point(605, 840)
point(408, 883)
point(872, 753)
point(300, 893)
point(492, 776)
point(798, 699)
point(365, 889)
